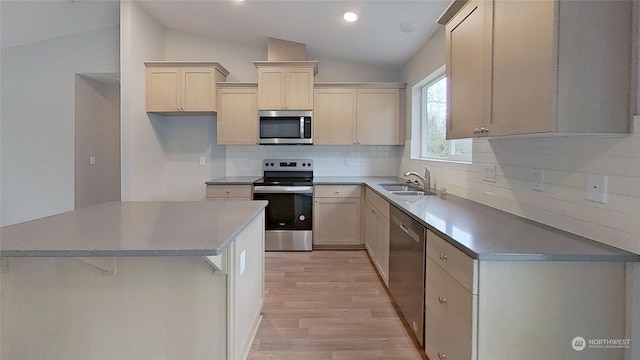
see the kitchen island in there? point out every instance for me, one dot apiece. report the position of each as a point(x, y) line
point(134, 280)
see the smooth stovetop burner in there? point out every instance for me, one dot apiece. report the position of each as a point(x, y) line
point(286, 172)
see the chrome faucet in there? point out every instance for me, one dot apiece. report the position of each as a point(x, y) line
point(426, 180)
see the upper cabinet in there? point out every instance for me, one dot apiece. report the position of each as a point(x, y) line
point(237, 119)
point(539, 67)
point(183, 87)
point(286, 85)
point(358, 113)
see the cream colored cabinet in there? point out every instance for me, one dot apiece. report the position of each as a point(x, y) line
point(369, 114)
point(337, 215)
point(183, 87)
point(539, 67)
point(286, 85)
point(377, 228)
point(488, 310)
point(237, 118)
point(468, 57)
point(229, 192)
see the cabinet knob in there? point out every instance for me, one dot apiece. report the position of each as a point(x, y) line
point(443, 256)
point(442, 356)
point(354, 142)
point(476, 131)
point(358, 142)
point(484, 130)
point(337, 192)
point(442, 300)
point(228, 191)
point(373, 211)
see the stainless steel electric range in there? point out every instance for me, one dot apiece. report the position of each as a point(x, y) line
point(288, 186)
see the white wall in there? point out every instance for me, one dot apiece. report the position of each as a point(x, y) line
point(38, 82)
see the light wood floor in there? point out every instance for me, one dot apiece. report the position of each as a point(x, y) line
point(328, 305)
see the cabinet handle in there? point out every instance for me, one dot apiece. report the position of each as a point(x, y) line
point(442, 356)
point(443, 256)
point(442, 300)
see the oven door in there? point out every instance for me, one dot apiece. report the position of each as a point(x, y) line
point(289, 206)
point(288, 217)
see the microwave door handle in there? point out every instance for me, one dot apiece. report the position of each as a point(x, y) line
point(301, 127)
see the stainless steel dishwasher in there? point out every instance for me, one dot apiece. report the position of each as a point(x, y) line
point(407, 269)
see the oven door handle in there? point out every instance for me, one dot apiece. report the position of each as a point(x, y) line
point(283, 189)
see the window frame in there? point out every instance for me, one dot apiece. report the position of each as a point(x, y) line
point(419, 127)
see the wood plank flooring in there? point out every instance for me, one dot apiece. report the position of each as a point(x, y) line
point(328, 305)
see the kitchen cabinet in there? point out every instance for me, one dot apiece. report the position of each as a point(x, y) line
point(376, 232)
point(286, 85)
point(358, 113)
point(488, 310)
point(183, 87)
point(237, 118)
point(229, 192)
point(337, 215)
point(539, 67)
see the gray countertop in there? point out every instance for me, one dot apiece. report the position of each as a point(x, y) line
point(486, 233)
point(181, 228)
point(234, 180)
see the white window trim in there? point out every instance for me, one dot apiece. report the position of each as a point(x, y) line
point(418, 131)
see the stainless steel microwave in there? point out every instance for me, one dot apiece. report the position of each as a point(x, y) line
point(285, 127)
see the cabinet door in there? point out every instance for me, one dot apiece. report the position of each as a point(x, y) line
point(371, 231)
point(382, 248)
point(524, 63)
point(336, 221)
point(271, 88)
point(198, 89)
point(468, 53)
point(334, 117)
point(378, 117)
point(237, 118)
point(163, 89)
point(299, 88)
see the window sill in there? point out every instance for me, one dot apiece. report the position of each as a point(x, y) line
point(453, 161)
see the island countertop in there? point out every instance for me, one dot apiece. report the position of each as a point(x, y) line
point(180, 228)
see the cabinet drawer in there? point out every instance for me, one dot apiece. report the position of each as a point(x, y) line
point(336, 191)
point(438, 344)
point(229, 192)
point(378, 202)
point(458, 264)
point(450, 303)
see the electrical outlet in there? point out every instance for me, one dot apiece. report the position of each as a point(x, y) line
point(347, 161)
point(490, 173)
point(92, 160)
point(537, 180)
point(596, 188)
point(203, 161)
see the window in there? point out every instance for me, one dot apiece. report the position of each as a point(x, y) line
point(430, 101)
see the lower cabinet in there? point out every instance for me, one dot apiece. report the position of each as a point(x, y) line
point(336, 215)
point(376, 232)
point(504, 310)
point(229, 192)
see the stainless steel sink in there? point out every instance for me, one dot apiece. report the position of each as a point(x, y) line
point(405, 189)
point(408, 192)
point(400, 187)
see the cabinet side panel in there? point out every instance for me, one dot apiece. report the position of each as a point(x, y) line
point(532, 310)
point(594, 90)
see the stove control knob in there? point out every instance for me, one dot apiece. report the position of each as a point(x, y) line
point(301, 217)
point(308, 164)
point(271, 164)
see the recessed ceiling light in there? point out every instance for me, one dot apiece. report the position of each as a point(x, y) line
point(408, 27)
point(350, 16)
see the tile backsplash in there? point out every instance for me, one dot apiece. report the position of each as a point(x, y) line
point(356, 160)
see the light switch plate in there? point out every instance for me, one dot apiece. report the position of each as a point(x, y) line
point(596, 188)
point(490, 173)
point(537, 180)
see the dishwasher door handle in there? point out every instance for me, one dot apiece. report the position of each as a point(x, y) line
point(404, 228)
point(407, 230)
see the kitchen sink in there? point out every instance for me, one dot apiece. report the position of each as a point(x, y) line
point(400, 187)
point(405, 189)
